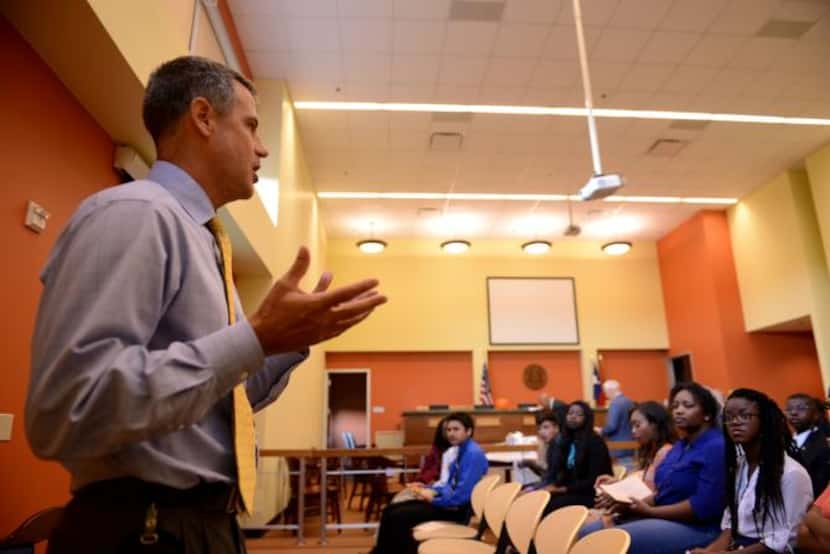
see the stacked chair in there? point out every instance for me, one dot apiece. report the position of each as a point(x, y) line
point(448, 530)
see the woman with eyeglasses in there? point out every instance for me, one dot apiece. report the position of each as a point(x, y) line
point(767, 491)
point(686, 509)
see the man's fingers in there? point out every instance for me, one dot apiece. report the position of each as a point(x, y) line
point(346, 293)
point(324, 282)
point(358, 306)
point(298, 269)
point(354, 320)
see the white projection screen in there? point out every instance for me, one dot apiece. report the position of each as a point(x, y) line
point(527, 310)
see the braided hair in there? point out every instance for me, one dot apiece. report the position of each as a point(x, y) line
point(775, 442)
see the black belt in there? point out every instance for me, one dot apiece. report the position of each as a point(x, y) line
point(210, 497)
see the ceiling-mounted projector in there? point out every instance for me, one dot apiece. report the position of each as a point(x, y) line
point(600, 186)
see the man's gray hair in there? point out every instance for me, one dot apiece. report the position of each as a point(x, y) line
point(175, 84)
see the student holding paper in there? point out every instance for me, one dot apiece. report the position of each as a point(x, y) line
point(686, 510)
point(767, 491)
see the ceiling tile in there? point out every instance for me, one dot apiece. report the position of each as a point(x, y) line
point(455, 94)
point(415, 69)
point(502, 95)
point(509, 72)
point(714, 50)
point(555, 74)
point(619, 45)
point(313, 34)
point(521, 40)
point(561, 42)
point(308, 8)
point(801, 10)
point(316, 90)
point(695, 16)
point(269, 65)
point(413, 121)
point(760, 53)
point(689, 79)
point(366, 92)
point(366, 35)
point(398, 92)
point(365, 8)
point(595, 12)
point(419, 37)
point(260, 7)
point(470, 38)
point(563, 96)
point(639, 14)
point(422, 9)
point(534, 11)
point(730, 82)
point(668, 47)
point(462, 71)
point(742, 17)
point(645, 77)
point(607, 75)
point(625, 100)
point(366, 68)
point(261, 33)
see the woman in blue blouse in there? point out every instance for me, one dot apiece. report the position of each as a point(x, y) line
point(686, 510)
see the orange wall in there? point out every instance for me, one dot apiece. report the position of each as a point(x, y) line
point(402, 381)
point(643, 374)
point(704, 317)
point(507, 367)
point(51, 151)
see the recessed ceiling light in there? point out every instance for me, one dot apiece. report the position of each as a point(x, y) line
point(455, 246)
point(536, 247)
point(617, 248)
point(371, 246)
point(562, 111)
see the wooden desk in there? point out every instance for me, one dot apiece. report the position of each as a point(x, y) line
point(491, 426)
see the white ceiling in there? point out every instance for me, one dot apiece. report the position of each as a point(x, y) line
point(695, 55)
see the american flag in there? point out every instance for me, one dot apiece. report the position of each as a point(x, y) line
point(485, 392)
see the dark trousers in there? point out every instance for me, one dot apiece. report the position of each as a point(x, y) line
point(397, 521)
point(109, 518)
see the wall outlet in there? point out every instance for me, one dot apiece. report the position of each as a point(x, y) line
point(378, 409)
point(6, 427)
point(36, 217)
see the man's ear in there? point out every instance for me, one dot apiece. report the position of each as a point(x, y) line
point(202, 115)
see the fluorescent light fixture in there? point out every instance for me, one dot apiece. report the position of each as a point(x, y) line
point(536, 247)
point(371, 246)
point(520, 197)
point(562, 111)
point(617, 248)
point(455, 246)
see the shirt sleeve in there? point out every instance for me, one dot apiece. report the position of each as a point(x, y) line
point(267, 384)
point(612, 423)
point(708, 499)
point(797, 492)
point(472, 468)
point(95, 384)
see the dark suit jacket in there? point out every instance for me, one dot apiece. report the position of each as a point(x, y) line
point(595, 461)
point(815, 457)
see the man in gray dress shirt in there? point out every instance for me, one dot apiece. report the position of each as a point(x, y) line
point(133, 359)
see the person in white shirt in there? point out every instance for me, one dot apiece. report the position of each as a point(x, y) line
point(767, 492)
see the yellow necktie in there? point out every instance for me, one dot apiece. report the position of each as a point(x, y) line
point(243, 415)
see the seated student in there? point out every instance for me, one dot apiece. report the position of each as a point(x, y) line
point(686, 510)
point(814, 532)
point(435, 469)
point(547, 430)
point(448, 502)
point(652, 428)
point(767, 492)
point(812, 449)
point(579, 457)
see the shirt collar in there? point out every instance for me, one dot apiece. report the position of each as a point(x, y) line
point(184, 189)
point(801, 438)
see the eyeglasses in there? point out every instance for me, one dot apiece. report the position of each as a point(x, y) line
point(741, 417)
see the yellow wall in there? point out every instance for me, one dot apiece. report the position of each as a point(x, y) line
point(818, 170)
point(438, 302)
point(780, 259)
point(294, 421)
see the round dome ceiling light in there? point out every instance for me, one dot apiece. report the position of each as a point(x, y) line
point(371, 246)
point(536, 247)
point(617, 248)
point(455, 246)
